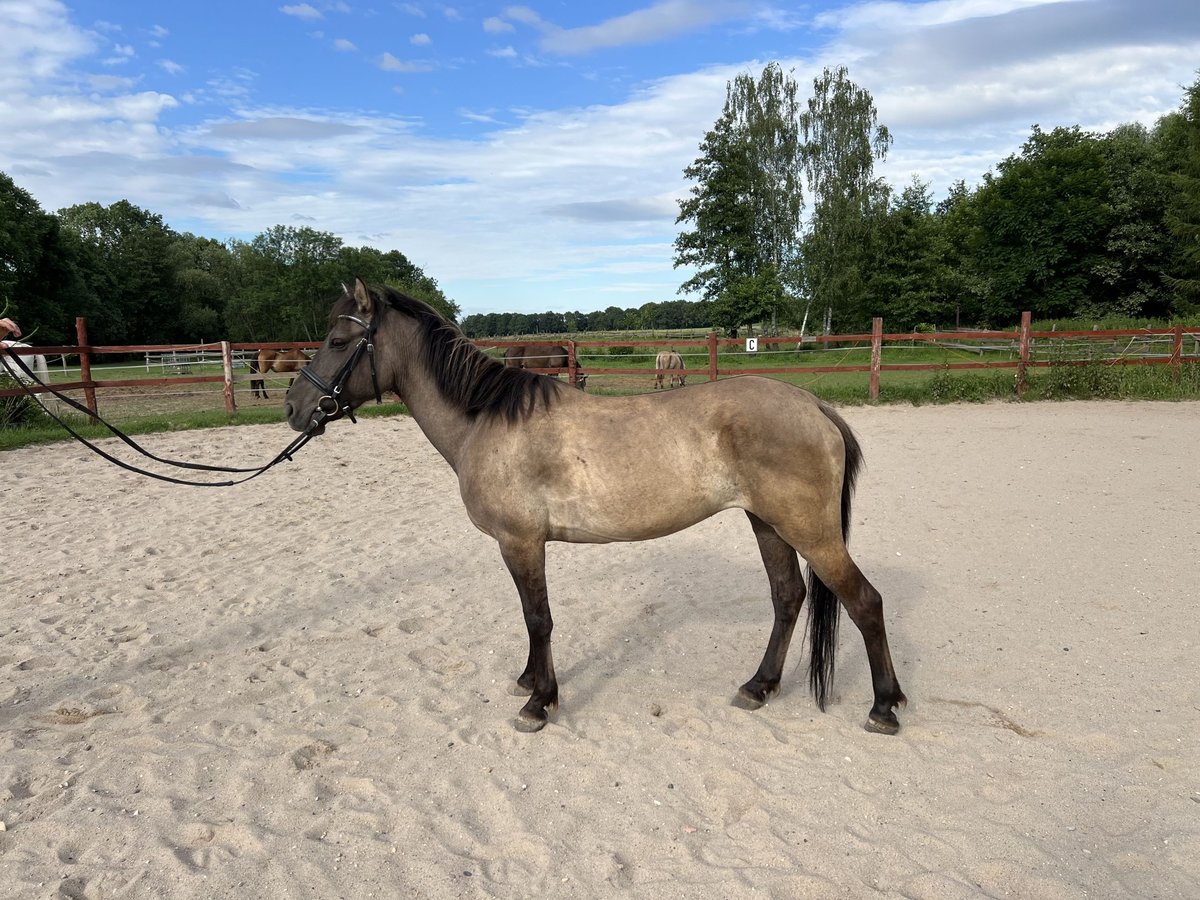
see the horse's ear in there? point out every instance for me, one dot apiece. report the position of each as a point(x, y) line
point(345, 290)
point(362, 298)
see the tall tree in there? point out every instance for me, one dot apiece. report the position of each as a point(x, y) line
point(721, 244)
point(1137, 243)
point(125, 260)
point(1044, 219)
point(40, 285)
point(205, 278)
point(842, 140)
point(904, 284)
point(1183, 214)
point(769, 115)
point(747, 203)
point(288, 277)
point(959, 277)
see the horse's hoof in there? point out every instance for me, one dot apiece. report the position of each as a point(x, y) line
point(529, 724)
point(882, 724)
point(754, 696)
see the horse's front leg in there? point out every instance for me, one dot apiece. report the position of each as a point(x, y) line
point(526, 561)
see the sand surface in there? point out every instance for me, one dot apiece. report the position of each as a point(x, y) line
point(300, 687)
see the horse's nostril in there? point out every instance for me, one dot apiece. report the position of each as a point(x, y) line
point(287, 410)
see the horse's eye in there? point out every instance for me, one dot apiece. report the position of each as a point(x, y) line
point(337, 343)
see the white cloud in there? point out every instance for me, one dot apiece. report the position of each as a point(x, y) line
point(503, 52)
point(170, 67)
point(495, 25)
point(479, 118)
point(109, 83)
point(660, 21)
point(344, 45)
point(302, 11)
point(523, 14)
point(420, 40)
point(39, 43)
point(390, 63)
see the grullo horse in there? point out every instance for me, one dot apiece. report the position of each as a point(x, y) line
point(538, 462)
point(670, 360)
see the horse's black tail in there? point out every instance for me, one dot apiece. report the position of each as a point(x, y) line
point(823, 606)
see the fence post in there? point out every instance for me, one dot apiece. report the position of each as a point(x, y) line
point(876, 355)
point(572, 365)
point(227, 365)
point(712, 356)
point(1023, 363)
point(85, 366)
point(1177, 354)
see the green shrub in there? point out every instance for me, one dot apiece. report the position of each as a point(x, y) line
point(946, 387)
point(21, 411)
point(1079, 382)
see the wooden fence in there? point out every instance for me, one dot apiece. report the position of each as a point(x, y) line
point(1020, 342)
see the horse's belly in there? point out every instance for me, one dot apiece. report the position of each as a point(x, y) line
point(632, 515)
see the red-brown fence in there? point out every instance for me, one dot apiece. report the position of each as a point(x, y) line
point(1020, 341)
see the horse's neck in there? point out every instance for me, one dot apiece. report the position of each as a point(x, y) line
point(444, 424)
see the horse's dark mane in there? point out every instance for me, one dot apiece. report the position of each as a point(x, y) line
point(468, 378)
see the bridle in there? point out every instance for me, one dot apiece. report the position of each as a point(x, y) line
point(331, 405)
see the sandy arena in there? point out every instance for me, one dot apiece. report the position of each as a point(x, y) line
point(300, 687)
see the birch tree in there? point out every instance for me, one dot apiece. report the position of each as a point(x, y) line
point(747, 204)
point(842, 140)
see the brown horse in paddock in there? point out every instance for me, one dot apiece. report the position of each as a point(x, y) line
point(669, 359)
point(282, 361)
point(543, 356)
point(538, 462)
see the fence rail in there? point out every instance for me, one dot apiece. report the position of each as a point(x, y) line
point(1029, 349)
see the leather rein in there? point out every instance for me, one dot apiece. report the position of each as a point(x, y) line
point(329, 407)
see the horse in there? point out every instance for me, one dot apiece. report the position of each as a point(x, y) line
point(543, 356)
point(35, 362)
point(669, 359)
point(538, 462)
point(275, 361)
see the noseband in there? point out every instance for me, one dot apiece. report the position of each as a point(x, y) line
point(331, 405)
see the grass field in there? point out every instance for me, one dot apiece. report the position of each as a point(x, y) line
point(140, 410)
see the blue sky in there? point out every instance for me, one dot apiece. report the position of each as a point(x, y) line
point(528, 156)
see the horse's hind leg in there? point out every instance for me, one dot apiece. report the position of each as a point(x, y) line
point(527, 564)
point(787, 595)
point(834, 567)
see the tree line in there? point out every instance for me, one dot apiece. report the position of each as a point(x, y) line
point(138, 281)
point(648, 316)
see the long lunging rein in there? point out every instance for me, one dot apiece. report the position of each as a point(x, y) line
point(325, 411)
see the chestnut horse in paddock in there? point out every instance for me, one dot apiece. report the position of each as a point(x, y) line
point(539, 462)
point(275, 361)
point(543, 356)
